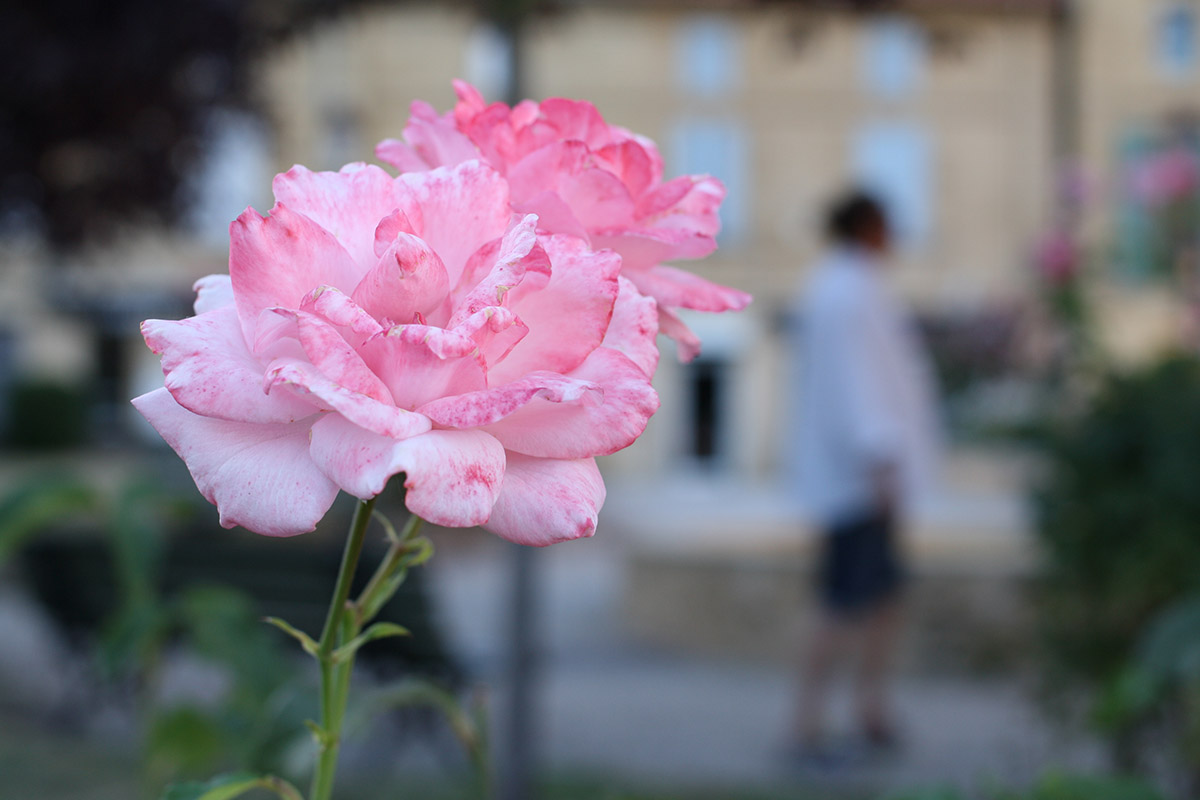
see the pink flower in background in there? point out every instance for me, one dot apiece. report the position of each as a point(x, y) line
point(1167, 177)
point(373, 325)
point(586, 178)
point(1056, 257)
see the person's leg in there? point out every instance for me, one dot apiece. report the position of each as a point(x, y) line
point(826, 646)
point(881, 630)
point(883, 580)
point(832, 635)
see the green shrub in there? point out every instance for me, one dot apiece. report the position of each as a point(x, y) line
point(1054, 786)
point(44, 415)
point(1118, 520)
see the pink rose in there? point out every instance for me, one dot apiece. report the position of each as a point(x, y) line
point(587, 178)
point(373, 325)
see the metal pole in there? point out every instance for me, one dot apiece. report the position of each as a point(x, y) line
point(520, 746)
point(1064, 94)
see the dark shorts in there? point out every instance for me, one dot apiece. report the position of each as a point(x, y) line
point(860, 566)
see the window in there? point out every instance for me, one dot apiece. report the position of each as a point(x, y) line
point(1176, 44)
point(234, 169)
point(342, 140)
point(706, 389)
point(708, 58)
point(894, 160)
point(894, 55)
point(719, 148)
point(487, 61)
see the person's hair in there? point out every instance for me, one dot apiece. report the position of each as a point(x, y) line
point(851, 215)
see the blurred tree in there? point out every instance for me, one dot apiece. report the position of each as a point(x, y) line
point(102, 103)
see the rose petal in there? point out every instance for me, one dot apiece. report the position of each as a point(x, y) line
point(458, 210)
point(543, 501)
point(687, 344)
point(549, 429)
point(452, 477)
point(634, 327)
point(259, 476)
point(340, 362)
point(578, 298)
point(543, 169)
point(576, 119)
point(431, 140)
point(394, 224)
point(679, 289)
point(495, 330)
point(476, 409)
point(278, 260)
point(644, 248)
point(418, 363)
point(348, 204)
point(597, 198)
point(210, 371)
point(497, 267)
point(409, 279)
point(212, 292)
point(338, 309)
point(366, 412)
point(628, 161)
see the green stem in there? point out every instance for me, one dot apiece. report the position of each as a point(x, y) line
point(398, 550)
point(335, 678)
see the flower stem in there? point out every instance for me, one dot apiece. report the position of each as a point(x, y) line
point(335, 678)
point(404, 551)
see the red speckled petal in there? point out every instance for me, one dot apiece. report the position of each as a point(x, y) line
point(210, 371)
point(258, 476)
point(453, 477)
point(543, 501)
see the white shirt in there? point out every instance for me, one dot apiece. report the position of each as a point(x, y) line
point(866, 391)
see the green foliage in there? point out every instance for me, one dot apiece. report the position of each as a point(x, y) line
point(1119, 517)
point(228, 787)
point(254, 722)
point(43, 415)
point(38, 502)
point(927, 794)
point(257, 719)
point(1054, 786)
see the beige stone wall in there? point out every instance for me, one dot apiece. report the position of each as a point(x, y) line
point(986, 107)
point(364, 68)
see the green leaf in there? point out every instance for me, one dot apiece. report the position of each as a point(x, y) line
point(394, 571)
point(184, 741)
point(222, 788)
point(379, 630)
point(228, 787)
point(388, 527)
point(307, 642)
point(38, 503)
point(318, 733)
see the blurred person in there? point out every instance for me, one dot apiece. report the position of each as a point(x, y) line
point(867, 443)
